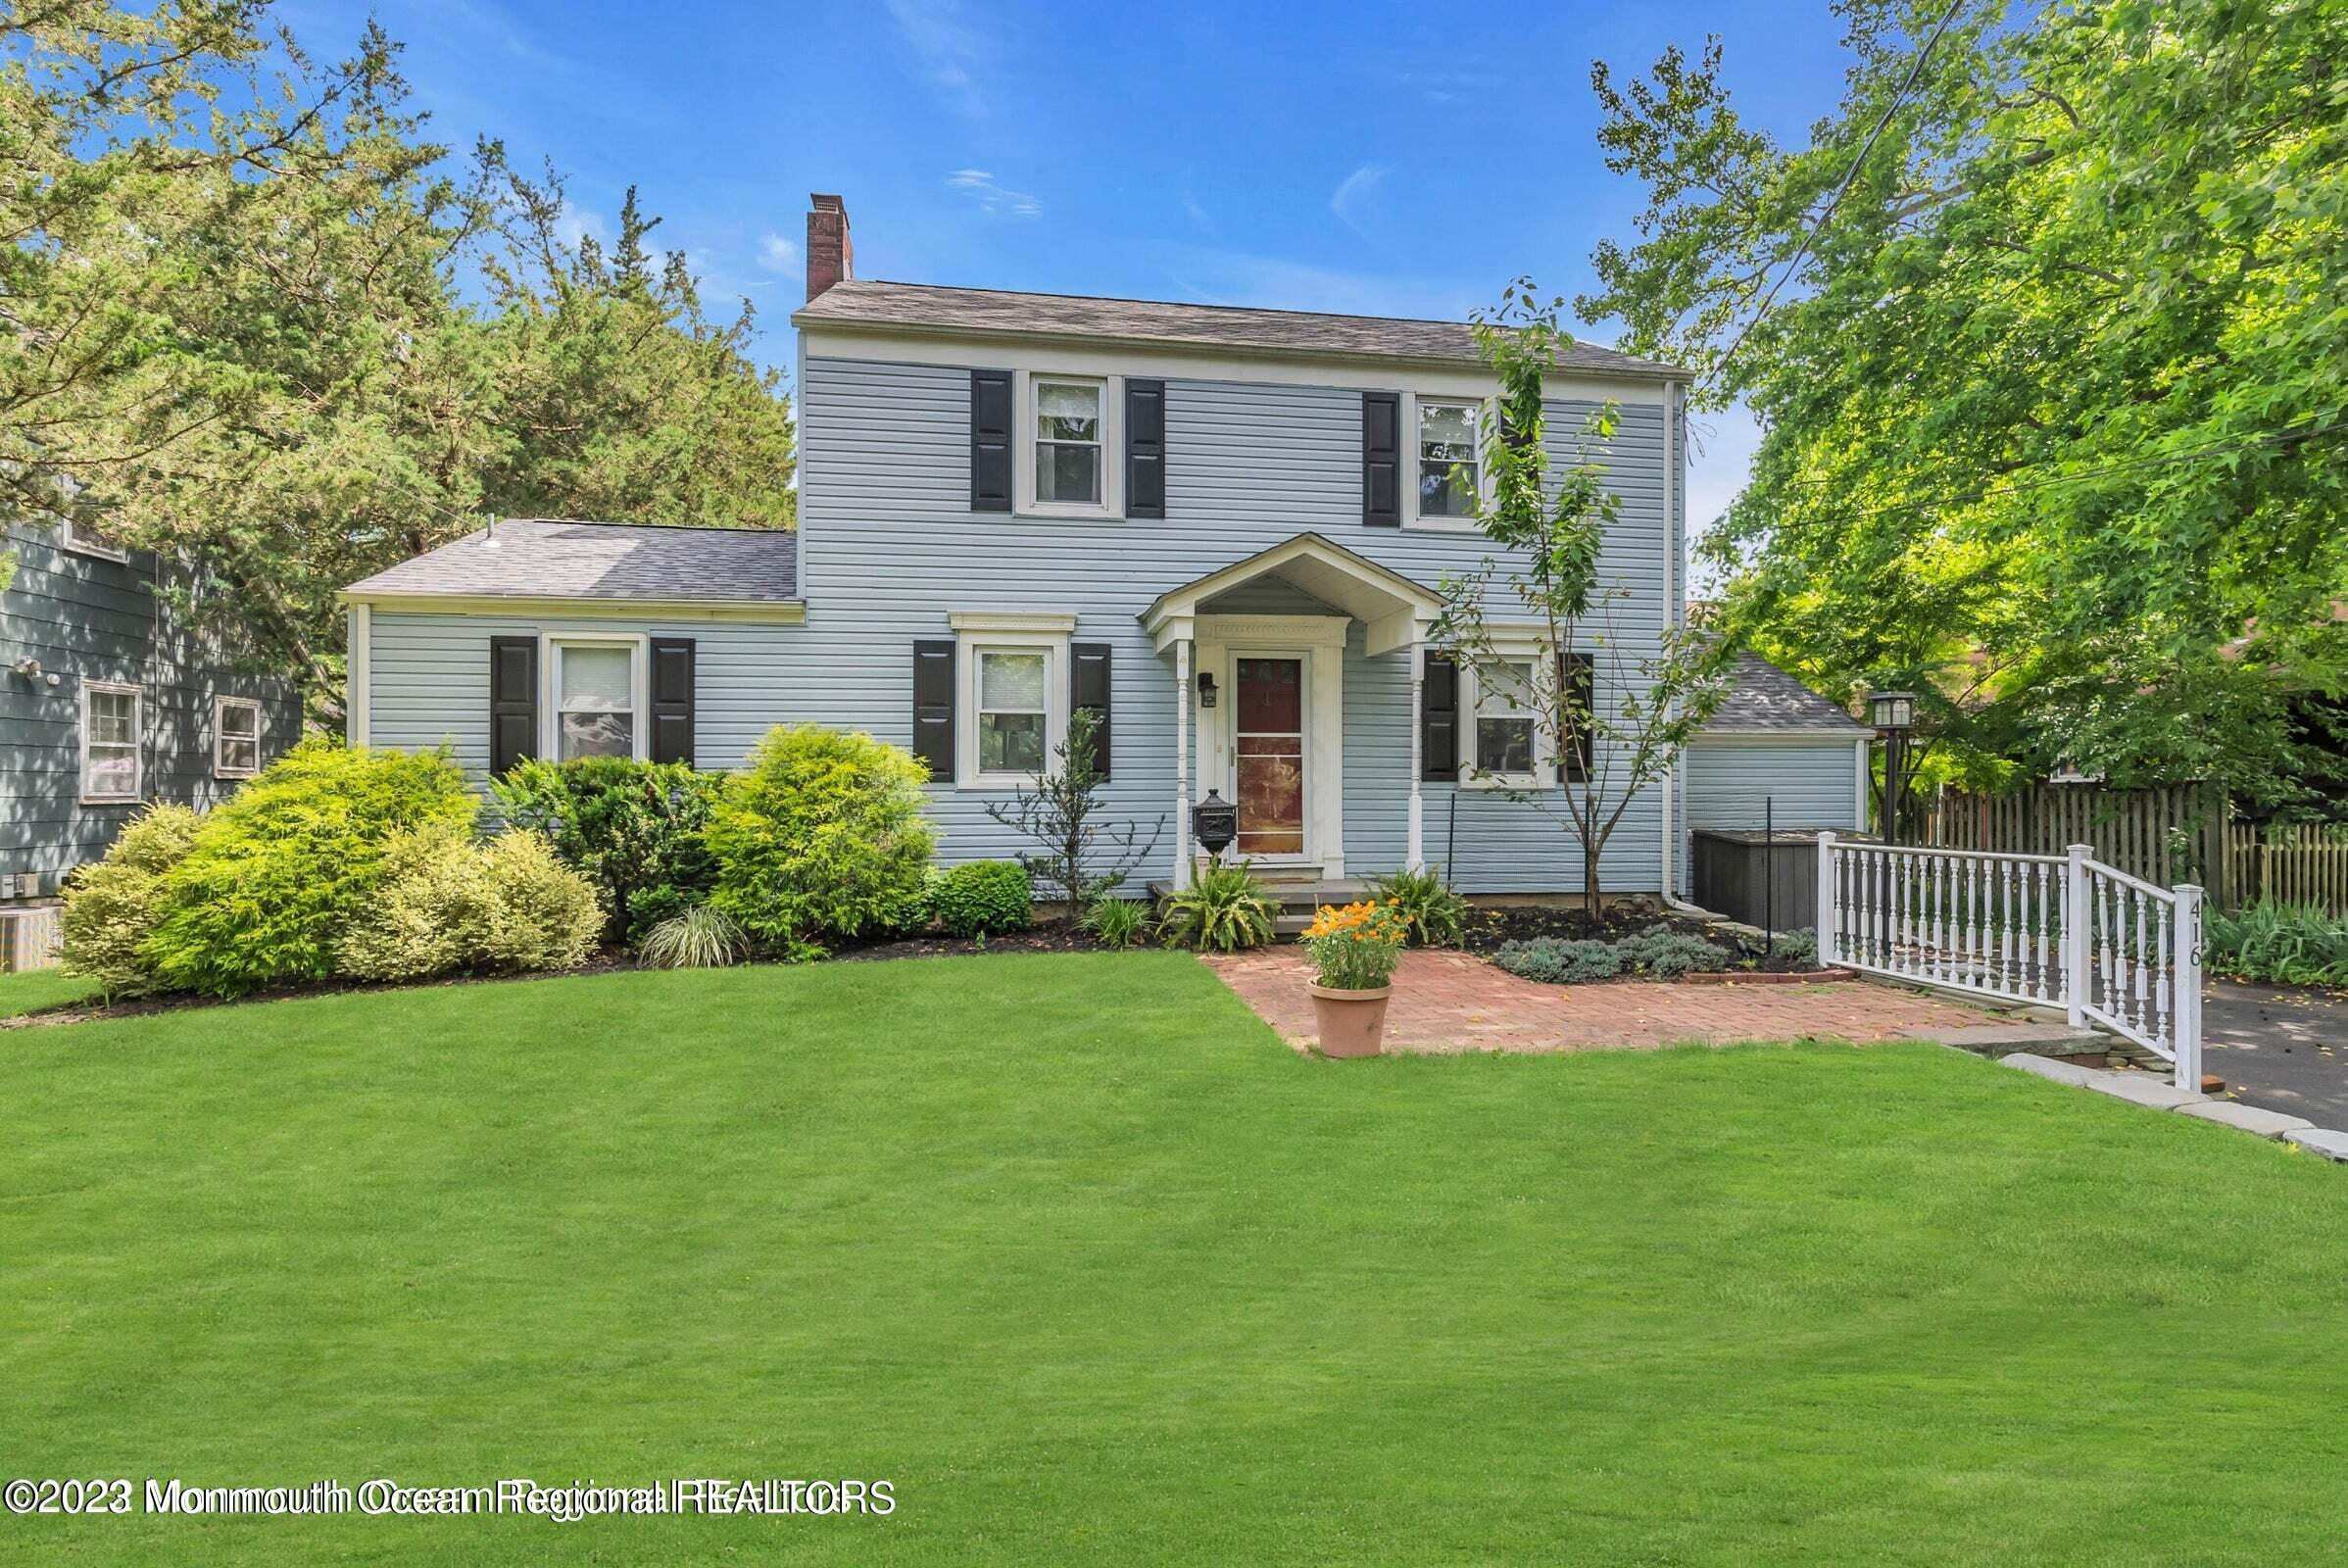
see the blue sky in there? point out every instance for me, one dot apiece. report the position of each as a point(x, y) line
point(1391, 161)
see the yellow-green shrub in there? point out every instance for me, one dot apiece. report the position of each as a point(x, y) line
point(540, 913)
point(111, 905)
point(448, 902)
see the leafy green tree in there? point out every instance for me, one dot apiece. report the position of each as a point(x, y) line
point(1640, 705)
point(2044, 332)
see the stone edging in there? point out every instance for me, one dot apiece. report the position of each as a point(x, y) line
point(1768, 978)
point(2144, 1088)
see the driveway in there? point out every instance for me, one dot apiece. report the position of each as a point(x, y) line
point(2279, 1048)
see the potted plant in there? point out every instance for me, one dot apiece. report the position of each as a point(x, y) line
point(1354, 951)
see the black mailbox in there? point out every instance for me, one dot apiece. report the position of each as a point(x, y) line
point(1216, 822)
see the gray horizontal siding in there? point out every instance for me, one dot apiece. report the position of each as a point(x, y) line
point(1734, 788)
point(84, 618)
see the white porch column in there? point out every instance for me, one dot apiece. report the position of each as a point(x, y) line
point(1418, 697)
point(1182, 764)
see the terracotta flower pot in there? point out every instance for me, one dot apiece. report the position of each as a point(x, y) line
point(1353, 1022)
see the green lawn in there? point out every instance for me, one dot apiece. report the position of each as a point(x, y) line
point(1091, 1268)
point(38, 990)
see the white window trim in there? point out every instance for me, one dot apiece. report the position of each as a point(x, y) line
point(1545, 740)
point(1112, 447)
point(74, 539)
point(1007, 631)
point(219, 735)
point(549, 686)
point(139, 747)
point(1412, 517)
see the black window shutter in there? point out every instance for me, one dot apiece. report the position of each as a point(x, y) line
point(672, 700)
point(1088, 688)
point(1145, 449)
point(1382, 460)
point(933, 707)
point(1439, 721)
point(990, 440)
point(512, 702)
point(1577, 676)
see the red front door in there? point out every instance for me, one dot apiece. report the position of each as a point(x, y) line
point(1269, 753)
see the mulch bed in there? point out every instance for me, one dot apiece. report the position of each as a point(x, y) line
point(1057, 936)
point(1487, 929)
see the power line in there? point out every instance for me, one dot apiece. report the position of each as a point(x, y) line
point(1849, 176)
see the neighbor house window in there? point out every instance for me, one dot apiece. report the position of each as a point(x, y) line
point(235, 737)
point(1069, 442)
point(78, 537)
point(598, 708)
point(1013, 710)
point(110, 749)
point(1447, 471)
point(1506, 727)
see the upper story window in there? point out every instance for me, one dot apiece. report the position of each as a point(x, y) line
point(79, 538)
point(235, 737)
point(111, 768)
point(1448, 477)
point(1069, 442)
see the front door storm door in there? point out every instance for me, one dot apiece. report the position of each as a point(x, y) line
point(1268, 756)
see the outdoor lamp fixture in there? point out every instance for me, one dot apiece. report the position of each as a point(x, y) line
point(1216, 822)
point(1206, 691)
point(1894, 714)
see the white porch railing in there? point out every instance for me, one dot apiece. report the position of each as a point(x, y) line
point(2055, 930)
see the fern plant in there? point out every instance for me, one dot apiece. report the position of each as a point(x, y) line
point(1225, 910)
point(1436, 916)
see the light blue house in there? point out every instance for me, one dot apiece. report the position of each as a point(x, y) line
point(1220, 529)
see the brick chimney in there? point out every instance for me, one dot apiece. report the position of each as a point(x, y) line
point(831, 258)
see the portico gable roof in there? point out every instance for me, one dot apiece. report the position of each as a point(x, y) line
point(1395, 609)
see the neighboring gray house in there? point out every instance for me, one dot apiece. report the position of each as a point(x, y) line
point(1221, 529)
point(106, 704)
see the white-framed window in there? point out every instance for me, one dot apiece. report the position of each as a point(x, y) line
point(1507, 742)
point(1070, 458)
point(81, 541)
point(235, 737)
point(112, 768)
point(594, 697)
point(1451, 462)
point(1012, 702)
point(1071, 445)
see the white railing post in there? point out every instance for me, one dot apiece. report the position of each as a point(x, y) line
point(1826, 899)
point(2185, 1027)
point(2075, 934)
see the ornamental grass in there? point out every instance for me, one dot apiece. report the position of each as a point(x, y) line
point(1355, 948)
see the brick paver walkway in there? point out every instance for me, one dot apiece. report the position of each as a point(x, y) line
point(1455, 1002)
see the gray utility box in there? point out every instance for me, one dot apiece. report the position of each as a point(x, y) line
point(1763, 880)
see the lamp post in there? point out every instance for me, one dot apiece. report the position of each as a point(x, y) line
point(1893, 715)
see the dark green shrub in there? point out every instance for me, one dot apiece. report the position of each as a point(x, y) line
point(1118, 922)
point(278, 873)
point(1224, 910)
point(823, 838)
point(1666, 955)
point(983, 899)
point(1553, 961)
point(634, 829)
point(111, 905)
point(1436, 915)
point(2292, 944)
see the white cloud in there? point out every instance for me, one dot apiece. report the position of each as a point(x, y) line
point(951, 51)
point(994, 199)
point(581, 222)
point(1353, 190)
point(777, 254)
point(1196, 213)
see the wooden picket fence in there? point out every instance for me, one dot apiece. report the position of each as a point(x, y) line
point(2183, 833)
point(2162, 836)
point(2298, 865)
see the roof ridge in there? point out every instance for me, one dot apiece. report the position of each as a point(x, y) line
point(1183, 305)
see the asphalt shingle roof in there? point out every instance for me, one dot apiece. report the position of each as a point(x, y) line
point(875, 303)
point(1763, 697)
point(540, 558)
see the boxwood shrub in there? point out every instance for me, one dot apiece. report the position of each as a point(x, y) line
point(983, 899)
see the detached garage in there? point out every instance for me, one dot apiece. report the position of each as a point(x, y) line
point(1776, 753)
